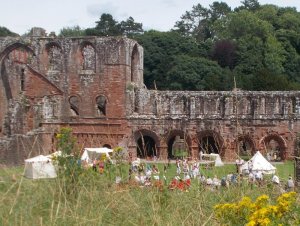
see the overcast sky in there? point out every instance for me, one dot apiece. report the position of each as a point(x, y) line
point(20, 15)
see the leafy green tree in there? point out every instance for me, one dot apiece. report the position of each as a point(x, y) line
point(250, 5)
point(107, 26)
point(198, 22)
point(160, 50)
point(6, 32)
point(265, 80)
point(225, 53)
point(130, 27)
point(75, 31)
point(196, 73)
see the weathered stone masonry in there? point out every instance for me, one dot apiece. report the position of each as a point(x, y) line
point(95, 85)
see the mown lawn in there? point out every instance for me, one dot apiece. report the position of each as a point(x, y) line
point(99, 201)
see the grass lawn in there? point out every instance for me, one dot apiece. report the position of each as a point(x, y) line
point(98, 201)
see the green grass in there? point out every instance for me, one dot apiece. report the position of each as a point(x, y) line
point(99, 201)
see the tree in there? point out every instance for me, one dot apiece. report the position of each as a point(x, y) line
point(250, 5)
point(6, 32)
point(160, 50)
point(107, 26)
point(74, 31)
point(225, 53)
point(130, 27)
point(197, 73)
point(268, 81)
point(198, 22)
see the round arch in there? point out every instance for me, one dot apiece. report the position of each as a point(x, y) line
point(275, 145)
point(178, 139)
point(147, 143)
point(210, 141)
point(12, 47)
point(246, 145)
point(3, 75)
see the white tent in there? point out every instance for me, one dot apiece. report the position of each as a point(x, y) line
point(39, 167)
point(214, 157)
point(89, 154)
point(218, 160)
point(258, 163)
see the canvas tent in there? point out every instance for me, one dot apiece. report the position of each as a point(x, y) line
point(39, 167)
point(215, 157)
point(89, 154)
point(258, 163)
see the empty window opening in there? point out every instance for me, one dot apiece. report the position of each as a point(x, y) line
point(22, 79)
point(74, 105)
point(101, 105)
point(134, 64)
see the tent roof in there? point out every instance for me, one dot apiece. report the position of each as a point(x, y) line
point(259, 163)
point(99, 150)
point(39, 158)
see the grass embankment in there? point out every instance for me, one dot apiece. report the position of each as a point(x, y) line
point(99, 201)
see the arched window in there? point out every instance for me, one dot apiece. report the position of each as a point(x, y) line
point(134, 64)
point(89, 57)
point(74, 105)
point(101, 105)
point(55, 58)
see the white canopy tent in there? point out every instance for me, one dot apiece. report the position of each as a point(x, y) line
point(214, 157)
point(89, 154)
point(39, 167)
point(258, 163)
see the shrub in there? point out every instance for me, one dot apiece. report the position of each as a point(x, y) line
point(260, 212)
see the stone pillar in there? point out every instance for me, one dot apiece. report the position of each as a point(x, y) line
point(163, 152)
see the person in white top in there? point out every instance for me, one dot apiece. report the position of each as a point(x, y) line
point(275, 179)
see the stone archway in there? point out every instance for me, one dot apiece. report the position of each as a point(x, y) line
point(246, 146)
point(210, 142)
point(177, 140)
point(275, 146)
point(147, 144)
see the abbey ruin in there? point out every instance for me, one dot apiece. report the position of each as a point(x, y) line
point(95, 86)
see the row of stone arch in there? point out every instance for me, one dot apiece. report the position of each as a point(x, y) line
point(149, 144)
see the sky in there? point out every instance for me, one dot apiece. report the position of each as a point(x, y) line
point(21, 15)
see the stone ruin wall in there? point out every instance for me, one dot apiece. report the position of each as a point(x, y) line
point(256, 117)
point(95, 85)
point(50, 82)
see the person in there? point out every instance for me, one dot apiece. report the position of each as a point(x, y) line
point(165, 168)
point(224, 182)
point(216, 182)
point(178, 168)
point(209, 181)
point(275, 156)
point(202, 179)
point(290, 184)
point(275, 179)
point(95, 165)
point(201, 155)
point(233, 178)
point(251, 179)
point(259, 177)
point(250, 165)
point(195, 170)
point(239, 162)
point(187, 181)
